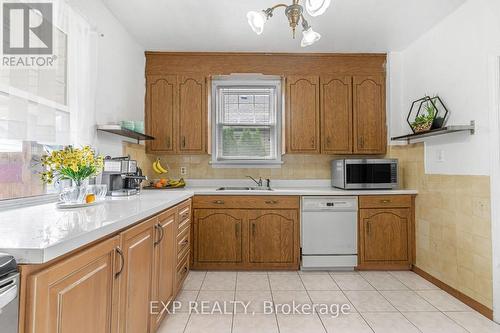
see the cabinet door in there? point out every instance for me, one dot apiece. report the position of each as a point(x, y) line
point(272, 236)
point(218, 235)
point(136, 277)
point(161, 106)
point(164, 263)
point(336, 114)
point(77, 294)
point(192, 117)
point(369, 115)
point(384, 235)
point(302, 114)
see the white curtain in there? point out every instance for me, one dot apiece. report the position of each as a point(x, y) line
point(54, 105)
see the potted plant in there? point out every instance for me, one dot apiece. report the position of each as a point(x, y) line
point(75, 164)
point(423, 122)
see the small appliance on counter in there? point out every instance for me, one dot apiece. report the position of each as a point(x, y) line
point(365, 174)
point(122, 176)
point(9, 294)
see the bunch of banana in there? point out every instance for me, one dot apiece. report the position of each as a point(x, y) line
point(158, 168)
point(176, 183)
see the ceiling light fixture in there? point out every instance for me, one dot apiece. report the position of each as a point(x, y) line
point(294, 13)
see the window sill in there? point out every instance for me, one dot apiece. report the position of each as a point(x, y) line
point(246, 165)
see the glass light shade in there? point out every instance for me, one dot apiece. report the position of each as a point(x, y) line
point(257, 20)
point(317, 7)
point(309, 37)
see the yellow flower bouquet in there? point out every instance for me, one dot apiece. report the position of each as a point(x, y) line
point(72, 163)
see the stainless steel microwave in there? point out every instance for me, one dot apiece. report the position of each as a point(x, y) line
point(352, 174)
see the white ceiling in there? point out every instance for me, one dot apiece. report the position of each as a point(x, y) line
point(221, 25)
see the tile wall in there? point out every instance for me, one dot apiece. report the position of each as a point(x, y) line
point(453, 225)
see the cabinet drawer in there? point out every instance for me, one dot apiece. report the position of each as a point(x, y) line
point(184, 213)
point(182, 271)
point(183, 243)
point(382, 201)
point(247, 202)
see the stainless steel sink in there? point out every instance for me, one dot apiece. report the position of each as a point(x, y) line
point(244, 188)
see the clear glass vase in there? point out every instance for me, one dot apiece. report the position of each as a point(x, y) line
point(75, 194)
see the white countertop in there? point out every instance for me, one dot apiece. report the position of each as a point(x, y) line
point(38, 234)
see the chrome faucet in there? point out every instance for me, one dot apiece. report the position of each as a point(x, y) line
point(258, 182)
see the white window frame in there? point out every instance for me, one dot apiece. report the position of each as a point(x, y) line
point(247, 81)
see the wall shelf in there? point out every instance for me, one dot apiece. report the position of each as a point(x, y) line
point(440, 131)
point(118, 130)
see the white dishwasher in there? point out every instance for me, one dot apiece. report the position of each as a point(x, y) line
point(329, 237)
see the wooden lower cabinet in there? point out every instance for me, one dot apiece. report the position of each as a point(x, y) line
point(75, 295)
point(136, 277)
point(234, 236)
point(218, 235)
point(163, 265)
point(109, 286)
point(386, 235)
point(271, 236)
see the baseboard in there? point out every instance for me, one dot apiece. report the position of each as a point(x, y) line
point(482, 309)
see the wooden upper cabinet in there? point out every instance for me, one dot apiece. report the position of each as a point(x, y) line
point(77, 294)
point(369, 115)
point(136, 277)
point(336, 114)
point(272, 236)
point(384, 235)
point(192, 114)
point(302, 114)
point(161, 106)
point(218, 235)
point(164, 263)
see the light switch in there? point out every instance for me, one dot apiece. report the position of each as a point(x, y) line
point(440, 155)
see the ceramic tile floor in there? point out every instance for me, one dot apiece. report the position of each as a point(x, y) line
point(381, 302)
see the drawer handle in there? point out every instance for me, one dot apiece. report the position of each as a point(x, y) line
point(184, 215)
point(218, 202)
point(385, 201)
point(368, 228)
point(271, 202)
point(122, 261)
point(253, 229)
point(184, 242)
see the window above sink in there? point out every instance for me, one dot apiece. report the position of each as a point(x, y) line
point(246, 121)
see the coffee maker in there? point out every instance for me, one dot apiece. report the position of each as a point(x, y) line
point(122, 176)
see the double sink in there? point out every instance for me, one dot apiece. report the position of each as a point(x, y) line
point(244, 188)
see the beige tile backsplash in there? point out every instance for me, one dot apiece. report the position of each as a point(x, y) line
point(452, 211)
point(453, 225)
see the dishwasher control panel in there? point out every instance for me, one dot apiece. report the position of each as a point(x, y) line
point(329, 203)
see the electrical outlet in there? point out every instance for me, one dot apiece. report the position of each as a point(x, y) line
point(184, 171)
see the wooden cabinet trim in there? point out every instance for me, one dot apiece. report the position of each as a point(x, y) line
point(246, 202)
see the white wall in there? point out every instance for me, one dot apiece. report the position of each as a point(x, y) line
point(120, 73)
point(451, 60)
